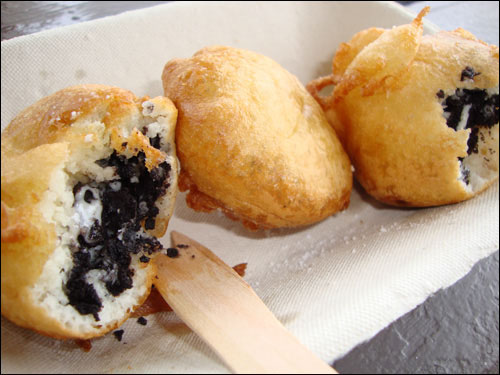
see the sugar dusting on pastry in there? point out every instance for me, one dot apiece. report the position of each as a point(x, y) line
point(476, 110)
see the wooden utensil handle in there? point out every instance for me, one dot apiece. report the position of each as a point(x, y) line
point(217, 304)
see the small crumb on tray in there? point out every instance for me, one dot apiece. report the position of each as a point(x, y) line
point(172, 252)
point(85, 345)
point(118, 334)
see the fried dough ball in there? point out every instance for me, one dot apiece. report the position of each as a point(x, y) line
point(89, 180)
point(253, 142)
point(418, 115)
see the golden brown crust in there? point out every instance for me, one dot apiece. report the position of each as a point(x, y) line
point(346, 52)
point(36, 144)
point(380, 64)
point(253, 142)
point(386, 112)
point(52, 116)
point(23, 229)
point(28, 315)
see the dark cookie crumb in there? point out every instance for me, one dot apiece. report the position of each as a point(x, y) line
point(118, 334)
point(88, 196)
point(149, 223)
point(483, 108)
point(440, 94)
point(182, 246)
point(472, 141)
point(468, 72)
point(192, 256)
point(85, 345)
point(142, 321)
point(155, 142)
point(77, 187)
point(109, 243)
point(482, 112)
point(172, 252)
point(465, 172)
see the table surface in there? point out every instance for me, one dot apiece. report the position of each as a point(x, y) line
point(456, 330)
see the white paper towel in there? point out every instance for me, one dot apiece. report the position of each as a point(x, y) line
point(333, 284)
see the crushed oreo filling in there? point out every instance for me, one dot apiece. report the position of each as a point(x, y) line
point(469, 73)
point(480, 108)
point(469, 109)
point(172, 252)
point(465, 172)
point(107, 243)
point(119, 334)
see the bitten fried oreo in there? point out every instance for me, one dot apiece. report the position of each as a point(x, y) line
point(253, 142)
point(418, 115)
point(89, 179)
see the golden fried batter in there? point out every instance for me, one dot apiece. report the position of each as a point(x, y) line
point(253, 142)
point(57, 177)
point(418, 115)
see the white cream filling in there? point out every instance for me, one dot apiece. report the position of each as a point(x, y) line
point(483, 165)
point(147, 108)
point(464, 117)
point(154, 129)
point(86, 213)
point(70, 213)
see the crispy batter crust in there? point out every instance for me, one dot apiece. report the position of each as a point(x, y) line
point(37, 143)
point(386, 112)
point(253, 142)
